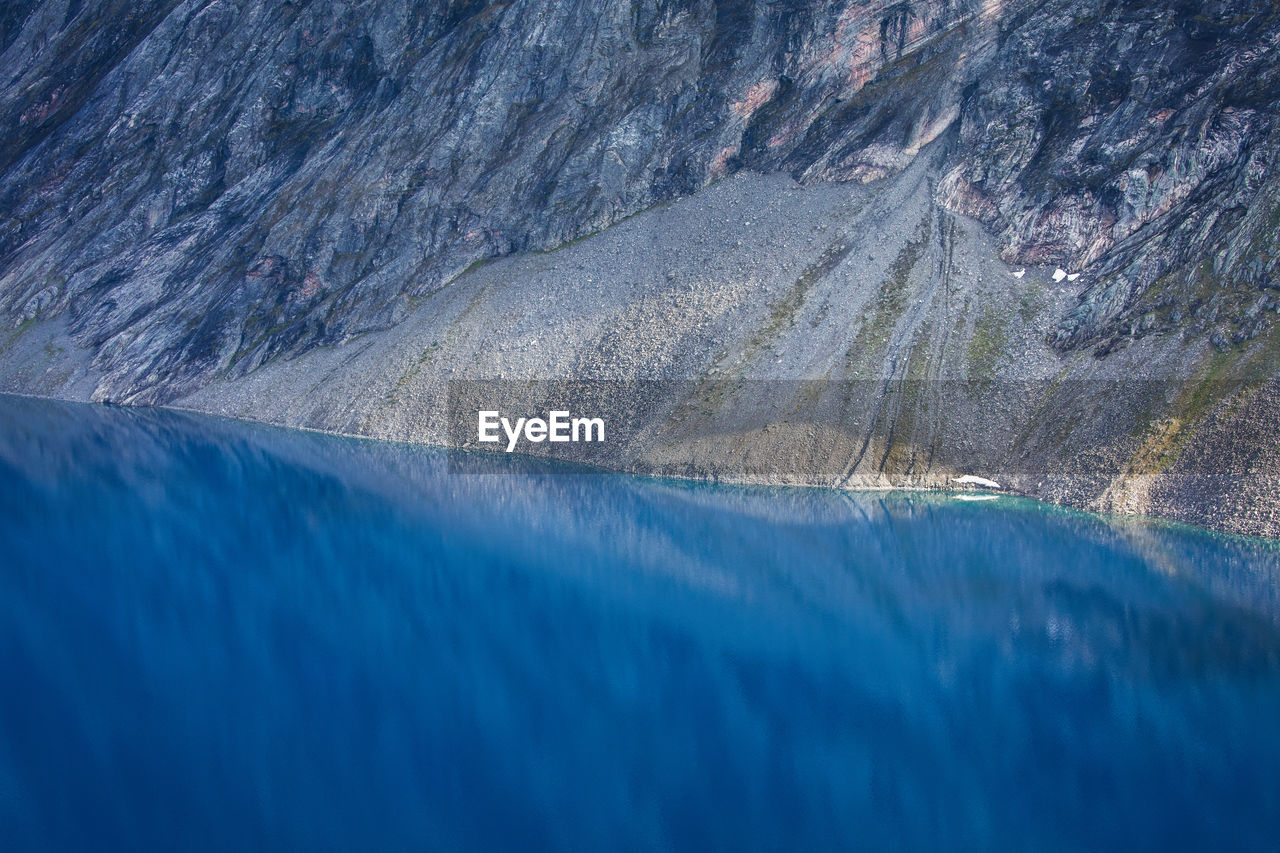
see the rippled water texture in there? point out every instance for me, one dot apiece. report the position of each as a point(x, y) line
point(221, 636)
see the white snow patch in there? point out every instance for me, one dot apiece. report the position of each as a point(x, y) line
point(970, 479)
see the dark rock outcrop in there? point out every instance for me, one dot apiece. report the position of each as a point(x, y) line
point(1140, 141)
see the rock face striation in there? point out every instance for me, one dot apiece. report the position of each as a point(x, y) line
point(200, 198)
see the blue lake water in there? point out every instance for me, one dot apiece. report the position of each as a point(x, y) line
point(218, 636)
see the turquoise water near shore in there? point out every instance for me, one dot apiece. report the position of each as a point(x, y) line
point(216, 635)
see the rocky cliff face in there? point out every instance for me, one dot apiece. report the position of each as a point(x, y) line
point(194, 192)
point(202, 187)
point(1137, 141)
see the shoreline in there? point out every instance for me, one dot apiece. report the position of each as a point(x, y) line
point(597, 469)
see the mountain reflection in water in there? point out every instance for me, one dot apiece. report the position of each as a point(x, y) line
point(216, 635)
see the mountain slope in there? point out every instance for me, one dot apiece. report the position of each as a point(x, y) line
point(220, 204)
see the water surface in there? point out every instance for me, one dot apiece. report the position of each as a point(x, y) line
point(220, 636)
